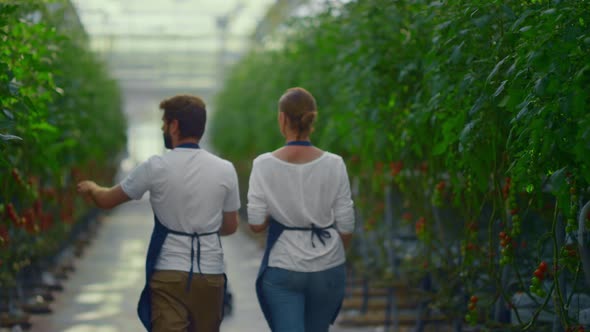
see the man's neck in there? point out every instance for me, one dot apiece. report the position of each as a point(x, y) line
point(186, 140)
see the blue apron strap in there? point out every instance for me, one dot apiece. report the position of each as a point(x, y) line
point(190, 273)
point(275, 229)
point(158, 238)
point(144, 308)
point(194, 236)
point(321, 233)
point(189, 146)
point(299, 143)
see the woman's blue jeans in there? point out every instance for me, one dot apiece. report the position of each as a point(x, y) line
point(303, 301)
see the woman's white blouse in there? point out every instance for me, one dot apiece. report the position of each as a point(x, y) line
point(299, 195)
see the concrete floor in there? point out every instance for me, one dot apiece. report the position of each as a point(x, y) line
point(101, 295)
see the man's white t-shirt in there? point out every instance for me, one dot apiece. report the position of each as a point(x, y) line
point(189, 191)
point(299, 195)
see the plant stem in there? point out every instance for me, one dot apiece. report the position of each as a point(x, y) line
point(558, 234)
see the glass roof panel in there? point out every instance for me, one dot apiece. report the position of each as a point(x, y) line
point(159, 48)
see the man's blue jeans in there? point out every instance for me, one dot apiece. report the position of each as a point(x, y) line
point(303, 301)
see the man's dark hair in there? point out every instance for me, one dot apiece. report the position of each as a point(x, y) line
point(190, 113)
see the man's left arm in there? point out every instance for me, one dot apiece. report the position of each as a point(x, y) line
point(104, 198)
point(229, 223)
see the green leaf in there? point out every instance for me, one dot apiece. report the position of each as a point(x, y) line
point(7, 137)
point(500, 88)
point(444, 25)
point(456, 54)
point(14, 86)
point(8, 114)
point(557, 180)
point(477, 106)
point(482, 21)
point(512, 68)
point(540, 86)
point(525, 28)
point(467, 130)
point(530, 188)
point(8, 9)
point(580, 73)
point(496, 69)
point(44, 126)
point(439, 148)
point(521, 19)
point(29, 103)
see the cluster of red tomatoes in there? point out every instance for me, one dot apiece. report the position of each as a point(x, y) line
point(537, 279)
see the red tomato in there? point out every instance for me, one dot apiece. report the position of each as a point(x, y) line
point(543, 266)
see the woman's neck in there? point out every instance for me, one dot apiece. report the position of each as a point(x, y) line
point(290, 137)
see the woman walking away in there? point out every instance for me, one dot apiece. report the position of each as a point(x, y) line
point(301, 194)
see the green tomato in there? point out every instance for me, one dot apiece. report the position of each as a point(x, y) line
point(468, 317)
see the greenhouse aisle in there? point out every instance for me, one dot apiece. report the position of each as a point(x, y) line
point(101, 295)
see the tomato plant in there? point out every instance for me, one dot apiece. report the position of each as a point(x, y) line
point(59, 111)
point(480, 110)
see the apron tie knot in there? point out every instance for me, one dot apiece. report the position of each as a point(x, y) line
point(321, 233)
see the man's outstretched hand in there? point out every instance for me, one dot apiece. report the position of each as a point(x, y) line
point(86, 188)
point(104, 198)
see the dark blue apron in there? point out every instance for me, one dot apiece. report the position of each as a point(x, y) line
point(144, 307)
point(275, 229)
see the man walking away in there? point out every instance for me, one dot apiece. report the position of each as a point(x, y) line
point(194, 196)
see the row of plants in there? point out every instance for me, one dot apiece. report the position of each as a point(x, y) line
point(475, 112)
point(60, 121)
